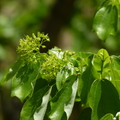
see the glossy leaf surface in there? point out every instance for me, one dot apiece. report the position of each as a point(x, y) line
point(108, 116)
point(115, 72)
point(105, 21)
point(69, 105)
point(86, 81)
point(101, 63)
point(36, 104)
point(12, 71)
point(62, 75)
point(22, 82)
point(40, 112)
point(61, 98)
point(94, 98)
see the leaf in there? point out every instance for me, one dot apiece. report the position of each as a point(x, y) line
point(115, 72)
point(36, 105)
point(61, 98)
point(94, 98)
point(108, 116)
point(105, 21)
point(101, 60)
point(12, 71)
point(85, 82)
point(115, 80)
point(118, 116)
point(63, 74)
point(109, 101)
point(57, 52)
point(40, 112)
point(22, 83)
point(61, 77)
point(103, 98)
point(101, 63)
point(69, 105)
point(83, 59)
point(40, 83)
point(115, 62)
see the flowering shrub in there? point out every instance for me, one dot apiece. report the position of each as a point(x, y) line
point(50, 83)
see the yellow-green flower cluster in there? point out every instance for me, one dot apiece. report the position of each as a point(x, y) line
point(29, 47)
point(50, 63)
point(50, 67)
point(53, 63)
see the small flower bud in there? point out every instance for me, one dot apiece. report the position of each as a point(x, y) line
point(43, 46)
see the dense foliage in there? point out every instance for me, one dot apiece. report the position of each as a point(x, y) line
point(50, 83)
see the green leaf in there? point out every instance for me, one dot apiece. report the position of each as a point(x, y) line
point(105, 21)
point(57, 52)
point(12, 71)
point(64, 73)
point(103, 98)
point(69, 105)
point(101, 63)
point(94, 98)
point(83, 60)
point(115, 80)
point(115, 62)
point(109, 101)
point(108, 116)
point(40, 112)
point(115, 72)
point(61, 77)
point(101, 60)
point(36, 105)
point(40, 83)
point(61, 98)
point(22, 83)
point(118, 116)
point(85, 82)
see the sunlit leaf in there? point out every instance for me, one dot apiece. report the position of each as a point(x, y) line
point(61, 98)
point(105, 21)
point(36, 105)
point(12, 71)
point(101, 63)
point(57, 52)
point(40, 112)
point(108, 116)
point(118, 116)
point(22, 82)
point(115, 72)
point(83, 59)
point(69, 105)
point(64, 73)
point(94, 98)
